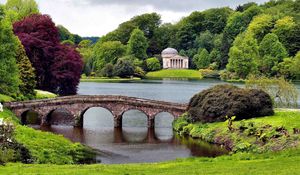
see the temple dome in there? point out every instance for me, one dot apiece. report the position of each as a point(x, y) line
point(169, 51)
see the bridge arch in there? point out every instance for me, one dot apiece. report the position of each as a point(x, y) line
point(30, 116)
point(59, 116)
point(125, 119)
point(82, 114)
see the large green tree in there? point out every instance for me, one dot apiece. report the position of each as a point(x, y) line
point(9, 75)
point(137, 44)
point(26, 71)
point(271, 53)
point(108, 52)
point(202, 59)
point(19, 9)
point(242, 56)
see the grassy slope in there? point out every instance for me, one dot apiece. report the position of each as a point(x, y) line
point(257, 135)
point(5, 98)
point(282, 163)
point(46, 147)
point(175, 73)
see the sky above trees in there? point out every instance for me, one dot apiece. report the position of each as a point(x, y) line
point(98, 17)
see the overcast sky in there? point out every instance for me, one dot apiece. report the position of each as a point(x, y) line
point(98, 17)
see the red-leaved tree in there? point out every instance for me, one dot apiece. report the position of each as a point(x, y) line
point(58, 67)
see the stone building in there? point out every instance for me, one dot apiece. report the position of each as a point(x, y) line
point(172, 60)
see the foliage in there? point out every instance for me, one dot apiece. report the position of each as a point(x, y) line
point(242, 56)
point(139, 72)
point(9, 75)
point(86, 51)
point(214, 104)
point(271, 53)
point(202, 59)
point(137, 44)
point(26, 72)
point(66, 35)
point(282, 92)
point(5, 98)
point(58, 67)
point(153, 64)
point(260, 26)
point(124, 68)
point(19, 9)
point(175, 73)
point(108, 70)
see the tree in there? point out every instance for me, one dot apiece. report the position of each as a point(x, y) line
point(205, 40)
point(9, 75)
point(237, 23)
point(295, 66)
point(153, 64)
point(137, 44)
point(86, 51)
point(271, 53)
point(242, 55)
point(26, 71)
point(109, 51)
point(108, 70)
point(202, 59)
point(283, 29)
point(124, 68)
point(260, 26)
point(19, 9)
point(58, 67)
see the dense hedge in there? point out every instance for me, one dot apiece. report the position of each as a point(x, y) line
point(216, 103)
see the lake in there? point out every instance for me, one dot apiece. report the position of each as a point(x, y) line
point(135, 142)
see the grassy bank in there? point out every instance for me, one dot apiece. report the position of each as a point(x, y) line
point(44, 94)
point(286, 162)
point(104, 79)
point(175, 73)
point(5, 98)
point(46, 147)
point(277, 132)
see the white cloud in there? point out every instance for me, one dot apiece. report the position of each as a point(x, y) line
point(98, 17)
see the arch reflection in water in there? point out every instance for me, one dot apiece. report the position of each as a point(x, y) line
point(134, 124)
point(163, 126)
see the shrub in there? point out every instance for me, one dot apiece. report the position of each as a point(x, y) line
point(124, 68)
point(153, 64)
point(214, 104)
point(108, 70)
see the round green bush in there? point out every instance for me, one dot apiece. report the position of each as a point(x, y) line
point(214, 104)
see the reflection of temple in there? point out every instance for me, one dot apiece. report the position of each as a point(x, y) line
point(172, 60)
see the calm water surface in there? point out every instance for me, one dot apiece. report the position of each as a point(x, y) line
point(134, 142)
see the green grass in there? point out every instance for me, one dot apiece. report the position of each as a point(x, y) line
point(44, 94)
point(175, 73)
point(5, 98)
point(46, 147)
point(104, 79)
point(253, 135)
point(286, 162)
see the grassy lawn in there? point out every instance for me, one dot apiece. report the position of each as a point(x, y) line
point(44, 94)
point(175, 73)
point(5, 98)
point(105, 79)
point(253, 135)
point(277, 163)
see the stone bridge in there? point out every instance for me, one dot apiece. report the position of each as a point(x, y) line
point(76, 106)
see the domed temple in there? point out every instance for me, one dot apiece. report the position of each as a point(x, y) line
point(172, 60)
